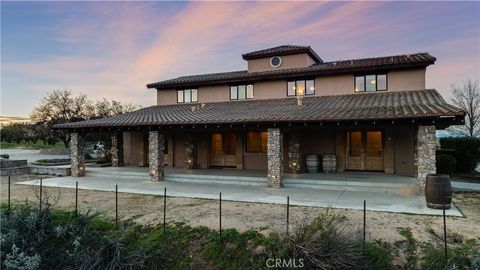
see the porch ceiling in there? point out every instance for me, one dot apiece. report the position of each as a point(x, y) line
point(420, 104)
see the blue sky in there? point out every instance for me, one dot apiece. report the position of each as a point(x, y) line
point(113, 49)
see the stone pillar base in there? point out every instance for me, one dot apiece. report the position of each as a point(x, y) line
point(294, 156)
point(425, 150)
point(117, 149)
point(190, 152)
point(156, 155)
point(275, 158)
point(77, 154)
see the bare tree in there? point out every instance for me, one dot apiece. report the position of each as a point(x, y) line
point(105, 108)
point(60, 106)
point(467, 97)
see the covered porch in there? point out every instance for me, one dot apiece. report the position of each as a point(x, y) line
point(391, 132)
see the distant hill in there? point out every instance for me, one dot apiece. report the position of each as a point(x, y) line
point(8, 120)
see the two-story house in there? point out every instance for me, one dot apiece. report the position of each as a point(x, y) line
point(372, 114)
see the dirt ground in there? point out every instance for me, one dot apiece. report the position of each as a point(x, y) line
point(148, 210)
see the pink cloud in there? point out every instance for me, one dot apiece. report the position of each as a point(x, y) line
point(120, 47)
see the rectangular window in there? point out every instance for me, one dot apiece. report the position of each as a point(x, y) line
point(291, 89)
point(301, 88)
point(250, 91)
point(194, 95)
point(359, 84)
point(233, 92)
point(243, 91)
point(257, 142)
point(371, 83)
point(381, 82)
point(310, 87)
point(187, 95)
point(180, 96)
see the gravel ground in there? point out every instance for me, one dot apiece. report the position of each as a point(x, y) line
point(148, 210)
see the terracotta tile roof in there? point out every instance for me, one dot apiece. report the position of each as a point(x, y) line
point(283, 50)
point(352, 107)
point(334, 67)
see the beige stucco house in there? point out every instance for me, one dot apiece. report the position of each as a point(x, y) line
point(371, 114)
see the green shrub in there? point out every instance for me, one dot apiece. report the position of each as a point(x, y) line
point(88, 157)
point(463, 256)
point(377, 256)
point(446, 164)
point(466, 149)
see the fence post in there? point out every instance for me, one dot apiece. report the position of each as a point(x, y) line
point(40, 198)
point(9, 194)
point(116, 207)
point(445, 235)
point(220, 216)
point(288, 211)
point(76, 198)
point(164, 208)
point(364, 223)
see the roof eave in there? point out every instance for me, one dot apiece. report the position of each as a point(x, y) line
point(287, 74)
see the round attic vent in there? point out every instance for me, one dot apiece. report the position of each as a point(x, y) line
point(275, 61)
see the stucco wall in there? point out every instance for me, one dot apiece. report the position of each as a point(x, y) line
point(324, 86)
point(398, 148)
point(404, 150)
point(134, 149)
point(288, 61)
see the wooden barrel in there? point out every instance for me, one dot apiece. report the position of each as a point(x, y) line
point(312, 163)
point(329, 163)
point(438, 191)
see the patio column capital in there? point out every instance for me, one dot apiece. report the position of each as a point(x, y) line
point(156, 155)
point(275, 157)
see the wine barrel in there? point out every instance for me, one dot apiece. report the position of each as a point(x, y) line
point(329, 163)
point(438, 191)
point(313, 161)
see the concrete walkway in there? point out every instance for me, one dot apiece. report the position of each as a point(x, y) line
point(465, 186)
point(376, 201)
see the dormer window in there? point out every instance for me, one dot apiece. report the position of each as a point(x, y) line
point(371, 83)
point(187, 96)
point(301, 88)
point(244, 91)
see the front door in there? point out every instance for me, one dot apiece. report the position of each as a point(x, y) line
point(223, 148)
point(365, 150)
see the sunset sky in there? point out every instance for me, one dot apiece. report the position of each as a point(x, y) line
point(113, 49)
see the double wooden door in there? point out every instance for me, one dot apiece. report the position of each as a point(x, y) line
point(223, 150)
point(365, 150)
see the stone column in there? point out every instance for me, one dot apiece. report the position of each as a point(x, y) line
point(77, 154)
point(155, 155)
point(117, 149)
point(190, 152)
point(275, 157)
point(294, 156)
point(425, 147)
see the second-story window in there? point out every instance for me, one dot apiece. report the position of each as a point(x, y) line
point(371, 83)
point(301, 88)
point(244, 91)
point(187, 95)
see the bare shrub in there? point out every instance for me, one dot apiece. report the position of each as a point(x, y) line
point(326, 243)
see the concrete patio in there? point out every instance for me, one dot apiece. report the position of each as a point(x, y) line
point(344, 190)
